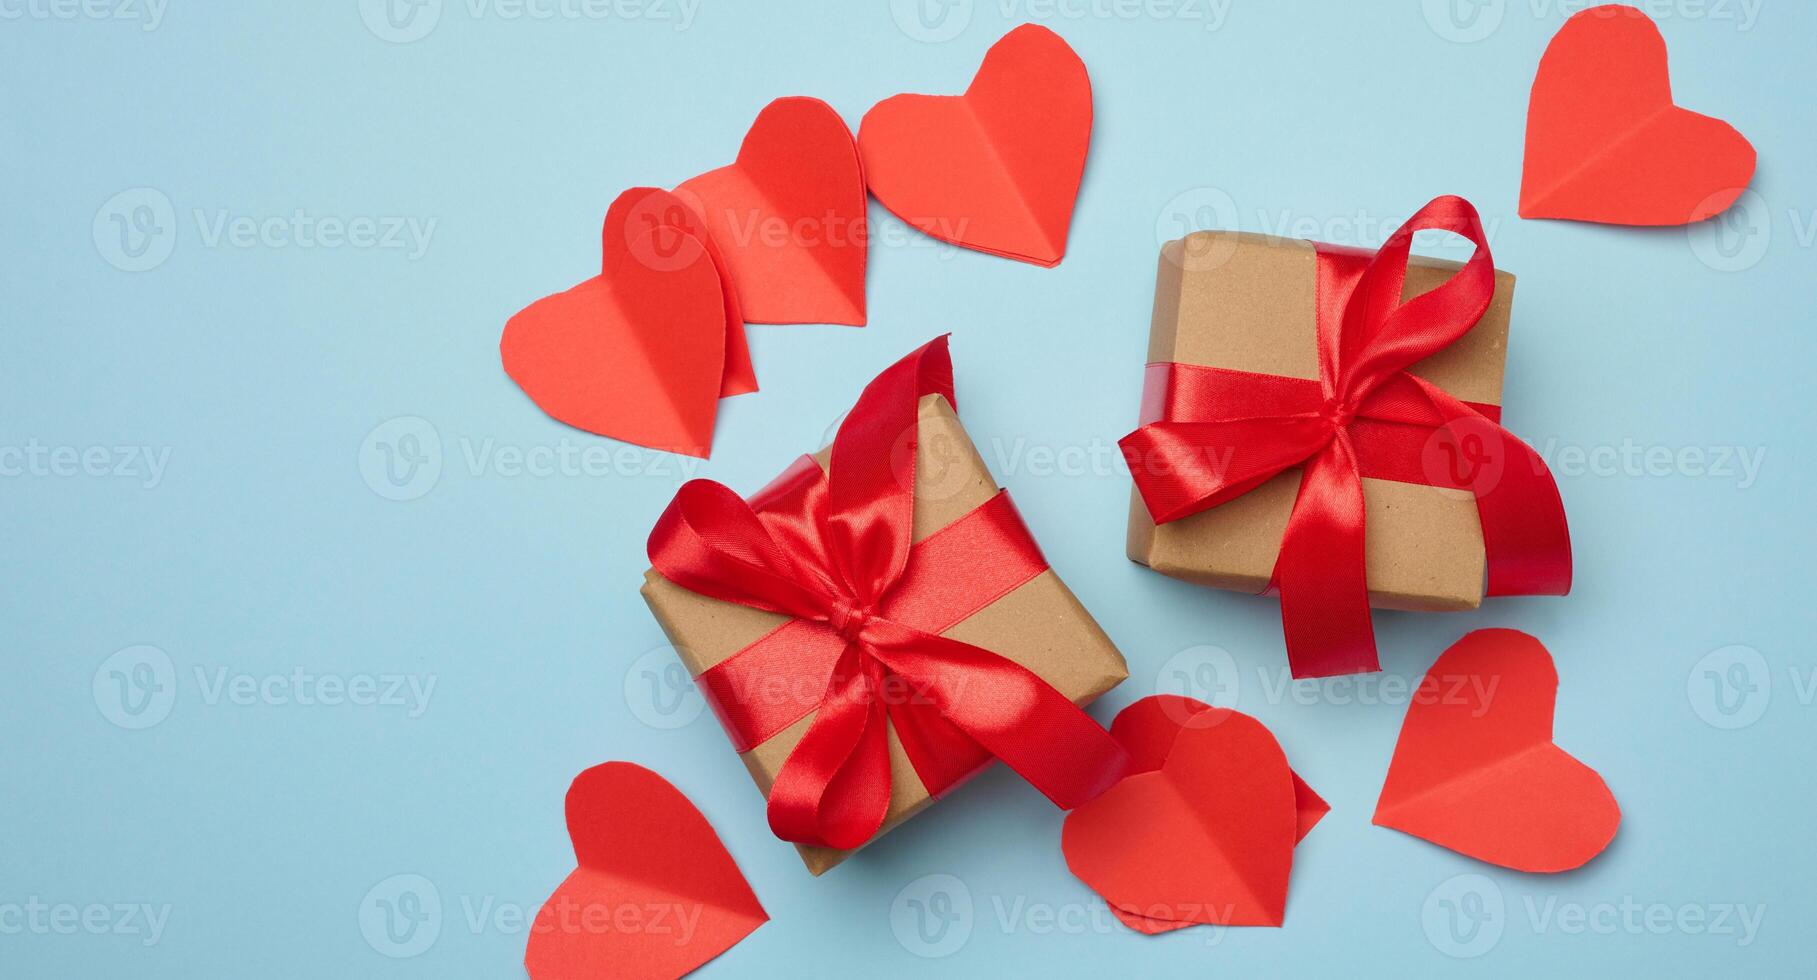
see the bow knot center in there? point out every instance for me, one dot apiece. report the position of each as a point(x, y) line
point(849, 618)
point(1338, 412)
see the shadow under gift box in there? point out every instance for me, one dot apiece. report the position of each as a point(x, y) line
point(1039, 625)
point(1247, 302)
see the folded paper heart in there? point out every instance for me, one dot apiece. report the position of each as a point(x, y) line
point(1480, 775)
point(655, 894)
point(638, 352)
point(998, 168)
point(1147, 730)
point(642, 225)
point(1605, 142)
point(788, 215)
point(1202, 829)
point(778, 236)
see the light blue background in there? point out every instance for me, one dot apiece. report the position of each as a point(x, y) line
point(266, 829)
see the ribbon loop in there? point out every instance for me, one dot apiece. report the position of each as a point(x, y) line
point(708, 540)
point(1382, 336)
point(1210, 435)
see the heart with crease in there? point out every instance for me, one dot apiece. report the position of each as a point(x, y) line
point(1476, 770)
point(655, 893)
point(627, 235)
point(788, 216)
point(998, 168)
point(1206, 838)
point(637, 353)
point(1148, 729)
point(1605, 142)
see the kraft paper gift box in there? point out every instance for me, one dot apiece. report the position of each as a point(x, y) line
point(1039, 624)
point(1244, 301)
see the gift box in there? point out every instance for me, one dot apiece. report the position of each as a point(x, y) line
point(1266, 353)
point(1244, 301)
point(972, 575)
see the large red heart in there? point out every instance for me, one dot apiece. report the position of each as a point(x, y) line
point(1604, 141)
point(637, 353)
point(1476, 771)
point(1206, 838)
point(655, 895)
point(626, 236)
point(998, 168)
point(788, 215)
point(1147, 730)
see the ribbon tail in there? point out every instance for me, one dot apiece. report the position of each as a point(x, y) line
point(1008, 710)
point(834, 788)
point(1526, 542)
point(940, 751)
point(1320, 573)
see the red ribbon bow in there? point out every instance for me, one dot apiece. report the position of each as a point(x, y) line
point(1222, 433)
point(835, 552)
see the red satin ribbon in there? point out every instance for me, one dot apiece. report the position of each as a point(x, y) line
point(833, 551)
point(1210, 435)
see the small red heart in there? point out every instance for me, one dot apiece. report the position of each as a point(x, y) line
point(627, 235)
point(1206, 838)
point(1604, 141)
point(636, 354)
point(655, 895)
point(998, 168)
point(788, 215)
point(1476, 770)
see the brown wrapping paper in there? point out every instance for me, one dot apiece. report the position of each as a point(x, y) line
point(1040, 625)
point(1247, 302)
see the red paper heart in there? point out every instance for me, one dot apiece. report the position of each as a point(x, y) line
point(629, 222)
point(637, 354)
point(1479, 774)
point(788, 215)
point(1147, 730)
point(1206, 838)
point(655, 895)
point(1604, 141)
point(996, 169)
